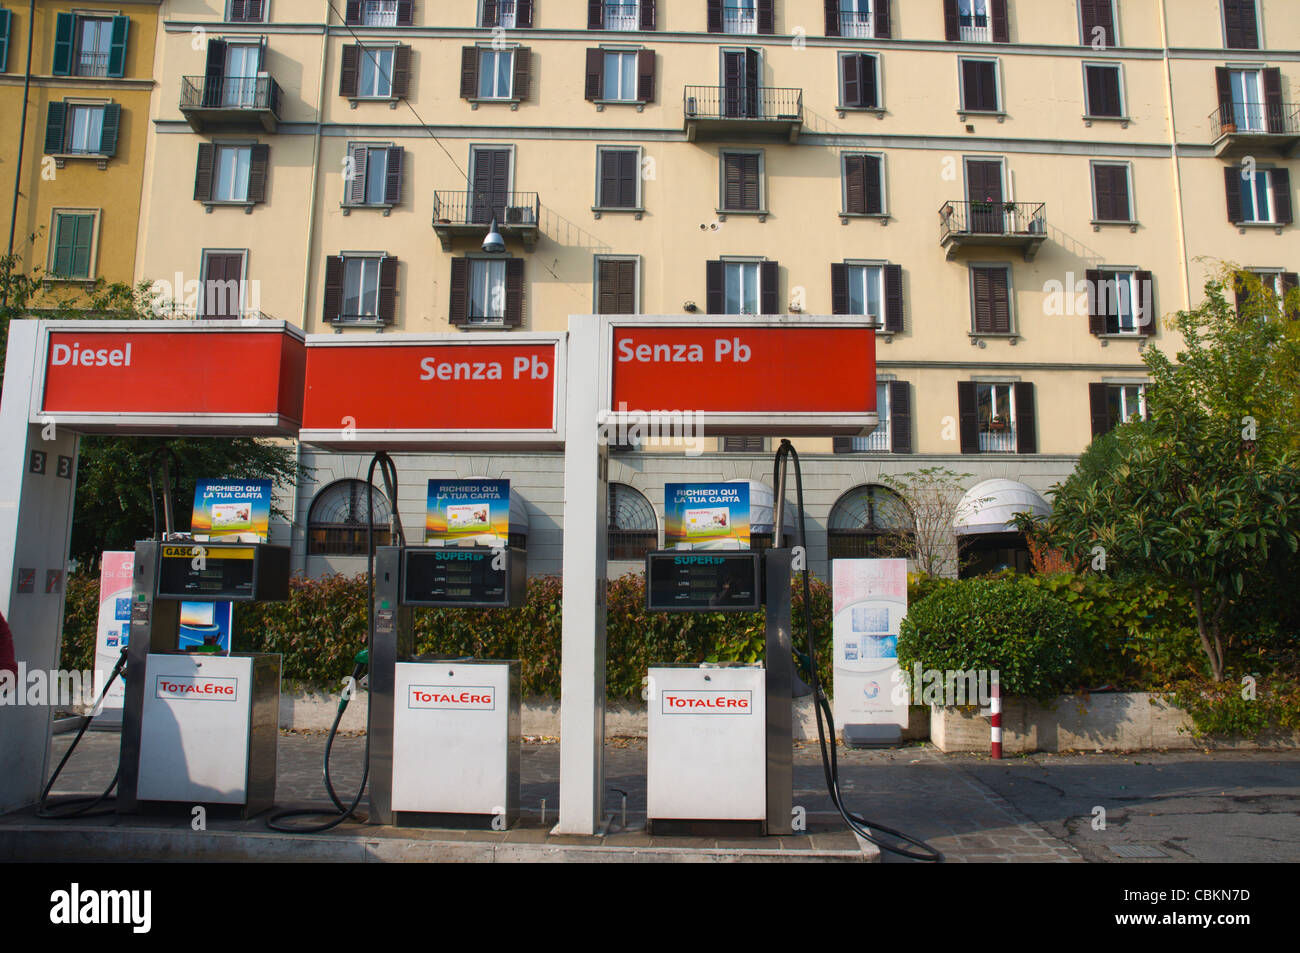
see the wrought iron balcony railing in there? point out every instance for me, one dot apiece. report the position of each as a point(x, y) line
point(992, 218)
point(622, 16)
point(743, 102)
point(1278, 119)
point(230, 92)
point(461, 207)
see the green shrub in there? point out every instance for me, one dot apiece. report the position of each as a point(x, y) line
point(1025, 633)
point(1225, 710)
point(80, 621)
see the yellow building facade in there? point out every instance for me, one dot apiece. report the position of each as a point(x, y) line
point(1016, 190)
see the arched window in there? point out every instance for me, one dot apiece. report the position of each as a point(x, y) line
point(336, 523)
point(633, 528)
point(870, 522)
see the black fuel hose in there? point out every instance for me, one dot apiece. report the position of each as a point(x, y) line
point(82, 806)
point(830, 763)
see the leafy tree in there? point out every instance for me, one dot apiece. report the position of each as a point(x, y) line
point(932, 495)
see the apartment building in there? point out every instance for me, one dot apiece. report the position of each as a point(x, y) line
point(72, 197)
point(1015, 190)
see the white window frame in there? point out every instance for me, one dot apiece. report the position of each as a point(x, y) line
point(1123, 387)
point(220, 149)
point(975, 33)
point(363, 257)
point(743, 262)
point(883, 434)
point(640, 159)
point(1116, 279)
point(1123, 98)
point(1271, 278)
point(762, 183)
point(384, 15)
point(94, 241)
point(200, 308)
point(364, 58)
point(621, 52)
point(738, 23)
point(989, 440)
point(1000, 106)
point(72, 106)
point(880, 89)
point(864, 264)
point(244, 94)
point(483, 53)
point(1132, 199)
point(595, 280)
point(1266, 177)
point(480, 269)
point(1244, 117)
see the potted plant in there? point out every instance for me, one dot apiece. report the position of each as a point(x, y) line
point(998, 423)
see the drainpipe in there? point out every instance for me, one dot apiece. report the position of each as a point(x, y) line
point(1173, 152)
point(315, 175)
point(22, 134)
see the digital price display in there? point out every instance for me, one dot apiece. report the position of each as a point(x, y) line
point(202, 572)
point(703, 582)
point(461, 576)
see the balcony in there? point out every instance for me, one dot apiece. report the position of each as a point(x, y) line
point(1020, 225)
point(228, 101)
point(975, 29)
point(997, 436)
point(460, 213)
point(621, 16)
point(732, 113)
point(1249, 128)
point(739, 21)
point(857, 25)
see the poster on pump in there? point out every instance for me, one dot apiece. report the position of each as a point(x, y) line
point(869, 602)
point(706, 516)
point(225, 511)
point(116, 571)
point(467, 513)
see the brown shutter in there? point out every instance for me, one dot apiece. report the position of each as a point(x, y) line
point(839, 288)
point(852, 66)
point(1121, 206)
point(855, 195)
point(713, 281)
point(1098, 13)
point(491, 15)
point(968, 426)
point(355, 187)
point(606, 293)
point(1001, 301)
point(203, 172)
point(951, 28)
point(766, 17)
point(1146, 300)
point(1099, 407)
point(1274, 116)
point(1026, 421)
point(352, 12)
point(213, 72)
point(982, 300)
point(236, 10)
point(1240, 291)
point(1280, 181)
point(832, 9)
point(259, 160)
point(333, 300)
point(405, 14)
point(592, 88)
point(750, 192)
point(1102, 193)
point(767, 288)
point(893, 298)
point(524, 13)
point(1001, 22)
point(867, 74)
point(595, 14)
point(645, 76)
point(523, 72)
point(881, 24)
point(900, 417)
point(1223, 83)
point(628, 173)
point(713, 16)
point(468, 72)
point(873, 182)
point(1232, 186)
point(458, 309)
point(387, 289)
point(401, 71)
point(1096, 301)
point(841, 445)
point(393, 177)
point(1240, 25)
point(647, 14)
point(514, 292)
point(617, 291)
point(348, 70)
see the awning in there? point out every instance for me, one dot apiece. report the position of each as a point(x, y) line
point(988, 507)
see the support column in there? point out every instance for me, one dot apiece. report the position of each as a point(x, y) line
point(582, 651)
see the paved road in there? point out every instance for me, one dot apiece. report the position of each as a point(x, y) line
point(1185, 806)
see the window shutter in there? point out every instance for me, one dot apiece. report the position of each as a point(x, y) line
point(839, 288)
point(767, 288)
point(645, 76)
point(1001, 22)
point(514, 292)
point(56, 115)
point(405, 17)
point(333, 300)
point(1098, 13)
point(393, 177)
point(1103, 195)
point(1240, 25)
point(609, 190)
point(214, 70)
point(468, 72)
point(1290, 282)
point(203, 172)
point(1146, 300)
point(257, 167)
point(1240, 292)
point(387, 289)
point(64, 24)
point(852, 66)
point(1026, 423)
point(1232, 186)
point(1223, 83)
point(617, 291)
point(713, 281)
point(983, 300)
point(490, 15)
point(120, 30)
point(893, 298)
point(900, 417)
point(750, 194)
point(1280, 181)
point(349, 68)
point(1099, 406)
point(713, 16)
point(108, 133)
point(524, 13)
point(855, 175)
point(459, 305)
point(236, 10)
point(970, 85)
point(595, 14)
point(593, 88)
point(6, 22)
point(253, 11)
point(1096, 302)
point(354, 188)
point(1001, 301)
point(766, 17)
point(401, 72)
point(523, 72)
point(832, 9)
point(648, 15)
point(606, 293)
point(881, 23)
point(867, 73)
point(872, 180)
point(968, 422)
point(1273, 114)
point(731, 182)
point(627, 178)
point(841, 445)
point(352, 12)
point(951, 28)
point(1120, 204)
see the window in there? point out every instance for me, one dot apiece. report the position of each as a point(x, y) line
point(245, 11)
point(1097, 21)
point(508, 14)
point(94, 36)
point(360, 287)
point(869, 522)
point(1112, 404)
point(90, 46)
point(1102, 86)
point(379, 13)
point(619, 182)
point(487, 73)
point(376, 71)
point(620, 16)
point(741, 289)
point(1258, 195)
point(620, 75)
point(77, 128)
point(72, 245)
point(616, 286)
point(869, 288)
point(1110, 193)
point(739, 16)
point(855, 18)
point(991, 295)
point(6, 23)
point(374, 175)
point(1275, 281)
point(866, 291)
point(894, 432)
point(996, 417)
point(976, 21)
point(995, 406)
point(878, 440)
point(231, 172)
point(243, 61)
point(979, 86)
point(1120, 301)
point(742, 182)
point(863, 184)
point(743, 445)
point(230, 183)
point(337, 521)
point(495, 69)
point(633, 529)
point(222, 297)
point(1240, 25)
point(859, 81)
point(741, 286)
point(487, 292)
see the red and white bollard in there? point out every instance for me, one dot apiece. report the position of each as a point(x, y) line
point(995, 719)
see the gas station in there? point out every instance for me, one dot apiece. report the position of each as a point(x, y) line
point(443, 734)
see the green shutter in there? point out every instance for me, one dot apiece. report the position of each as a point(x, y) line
point(117, 46)
point(108, 134)
point(6, 18)
point(55, 123)
point(72, 242)
point(81, 249)
point(63, 28)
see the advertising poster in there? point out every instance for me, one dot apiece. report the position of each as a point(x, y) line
point(868, 604)
point(114, 630)
point(225, 511)
point(472, 512)
point(706, 516)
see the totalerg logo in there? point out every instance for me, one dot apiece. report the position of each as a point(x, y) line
point(471, 698)
point(706, 703)
point(200, 689)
